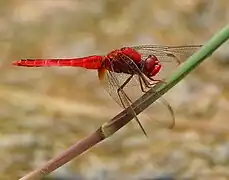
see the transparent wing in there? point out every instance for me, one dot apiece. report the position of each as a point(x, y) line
point(132, 89)
point(157, 115)
point(169, 56)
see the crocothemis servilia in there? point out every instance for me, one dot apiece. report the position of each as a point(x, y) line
point(122, 70)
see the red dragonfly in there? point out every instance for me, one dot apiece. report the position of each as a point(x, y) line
point(122, 70)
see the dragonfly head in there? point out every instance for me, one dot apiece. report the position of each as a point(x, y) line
point(151, 66)
point(131, 53)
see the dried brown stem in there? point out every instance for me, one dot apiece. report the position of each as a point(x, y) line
point(72, 152)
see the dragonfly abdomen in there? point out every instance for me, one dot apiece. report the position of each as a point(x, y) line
point(90, 62)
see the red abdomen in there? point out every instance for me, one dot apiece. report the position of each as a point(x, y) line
point(90, 62)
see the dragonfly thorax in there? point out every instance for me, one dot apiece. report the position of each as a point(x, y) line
point(132, 54)
point(124, 60)
point(128, 60)
point(150, 66)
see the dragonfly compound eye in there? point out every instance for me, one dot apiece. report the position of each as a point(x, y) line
point(151, 66)
point(131, 53)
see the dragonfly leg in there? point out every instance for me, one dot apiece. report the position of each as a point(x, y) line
point(148, 84)
point(121, 88)
point(156, 81)
point(141, 84)
point(170, 111)
point(163, 100)
point(119, 91)
point(145, 81)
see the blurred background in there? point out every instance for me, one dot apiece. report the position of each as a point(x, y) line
point(45, 110)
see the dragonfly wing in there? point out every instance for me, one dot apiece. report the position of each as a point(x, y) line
point(169, 56)
point(181, 52)
point(157, 115)
point(111, 86)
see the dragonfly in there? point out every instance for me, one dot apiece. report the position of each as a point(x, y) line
point(123, 70)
